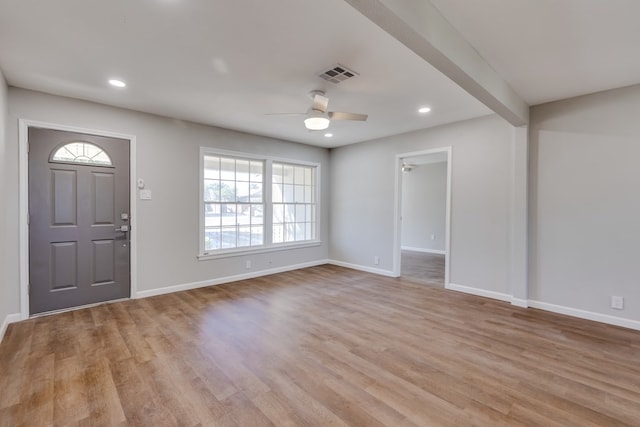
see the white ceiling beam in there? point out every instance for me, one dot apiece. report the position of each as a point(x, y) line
point(419, 25)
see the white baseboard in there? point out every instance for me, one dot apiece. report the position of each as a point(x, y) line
point(11, 318)
point(588, 315)
point(222, 280)
point(427, 251)
point(520, 302)
point(479, 292)
point(363, 268)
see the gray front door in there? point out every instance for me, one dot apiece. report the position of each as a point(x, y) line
point(78, 219)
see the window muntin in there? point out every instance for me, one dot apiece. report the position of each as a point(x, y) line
point(237, 221)
point(293, 203)
point(83, 153)
point(233, 202)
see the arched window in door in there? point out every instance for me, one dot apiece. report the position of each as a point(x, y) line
point(82, 153)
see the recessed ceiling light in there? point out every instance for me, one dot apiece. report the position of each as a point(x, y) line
point(424, 110)
point(328, 135)
point(117, 83)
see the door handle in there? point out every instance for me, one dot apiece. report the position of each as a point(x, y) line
point(123, 228)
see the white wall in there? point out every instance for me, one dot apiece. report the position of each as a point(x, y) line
point(7, 299)
point(585, 203)
point(167, 159)
point(424, 207)
point(362, 200)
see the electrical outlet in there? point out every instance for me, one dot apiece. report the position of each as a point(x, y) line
point(248, 264)
point(433, 237)
point(617, 303)
point(376, 260)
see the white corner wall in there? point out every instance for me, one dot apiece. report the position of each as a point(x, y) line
point(362, 201)
point(424, 208)
point(585, 206)
point(167, 153)
point(9, 303)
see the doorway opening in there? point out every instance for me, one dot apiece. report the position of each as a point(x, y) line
point(423, 216)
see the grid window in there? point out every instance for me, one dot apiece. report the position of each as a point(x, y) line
point(233, 203)
point(293, 190)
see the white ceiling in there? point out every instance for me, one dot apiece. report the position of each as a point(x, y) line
point(227, 63)
point(553, 49)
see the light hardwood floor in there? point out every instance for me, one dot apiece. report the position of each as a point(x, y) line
point(423, 266)
point(320, 346)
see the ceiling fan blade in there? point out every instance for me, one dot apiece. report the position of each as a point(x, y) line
point(320, 103)
point(335, 115)
point(285, 114)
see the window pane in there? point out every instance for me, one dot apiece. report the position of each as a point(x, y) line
point(308, 176)
point(227, 191)
point(299, 175)
point(212, 215)
point(81, 152)
point(212, 167)
point(288, 174)
point(211, 190)
point(229, 237)
point(256, 170)
point(300, 213)
point(288, 193)
point(227, 168)
point(228, 213)
point(278, 214)
point(257, 214)
point(277, 173)
point(276, 193)
point(308, 194)
point(212, 240)
point(244, 236)
point(242, 191)
point(299, 194)
point(289, 233)
point(299, 230)
point(278, 233)
point(243, 214)
point(242, 170)
point(255, 193)
point(289, 213)
point(257, 236)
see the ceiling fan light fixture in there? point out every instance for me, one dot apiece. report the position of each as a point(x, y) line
point(316, 123)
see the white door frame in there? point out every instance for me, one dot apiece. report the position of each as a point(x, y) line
point(23, 141)
point(397, 233)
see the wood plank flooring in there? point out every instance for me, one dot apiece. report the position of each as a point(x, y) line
point(315, 347)
point(423, 266)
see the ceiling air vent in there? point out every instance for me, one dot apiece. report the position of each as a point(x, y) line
point(337, 73)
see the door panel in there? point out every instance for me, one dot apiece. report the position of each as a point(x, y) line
point(64, 197)
point(76, 255)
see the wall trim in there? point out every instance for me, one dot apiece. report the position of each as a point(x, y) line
point(520, 302)
point(479, 292)
point(379, 271)
point(23, 158)
point(587, 315)
point(11, 318)
point(227, 279)
point(424, 250)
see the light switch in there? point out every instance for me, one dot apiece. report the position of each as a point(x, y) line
point(145, 194)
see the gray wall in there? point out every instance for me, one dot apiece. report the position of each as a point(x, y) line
point(168, 161)
point(6, 292)
point(362, 200)
point(424, 200)
point(585, 202)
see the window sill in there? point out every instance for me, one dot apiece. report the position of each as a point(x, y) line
point(264, 249)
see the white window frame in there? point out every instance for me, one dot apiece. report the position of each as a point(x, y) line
point(267, 245)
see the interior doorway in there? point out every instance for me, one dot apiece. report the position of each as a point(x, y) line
point(423, 212)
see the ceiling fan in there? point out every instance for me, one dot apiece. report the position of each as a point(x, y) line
point(318, 118)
